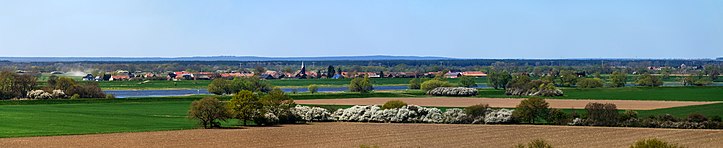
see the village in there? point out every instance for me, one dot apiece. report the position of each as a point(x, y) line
point(123, 75)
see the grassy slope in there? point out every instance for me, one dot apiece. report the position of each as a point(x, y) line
point(63, 119)
point(633, 93)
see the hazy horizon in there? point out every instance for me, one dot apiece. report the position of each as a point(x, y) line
point(648, 29)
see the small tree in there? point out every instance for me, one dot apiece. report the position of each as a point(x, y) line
point(476, 111)
point(653, 143)
point(556, 116)
point(219, 87)
point(244, 106)
point(499, 79)
point(279, 104)
point(602, 114)
point(531, 109)
point(394, 104)
point(649, 80)
point(466, 81)
point(618, 79)
point(208, 111)
point(697, 117)
point(568, 78)
point(432, 84)
point(590, 83)
point(363, 85)
point(313, 89)
point(415, 83)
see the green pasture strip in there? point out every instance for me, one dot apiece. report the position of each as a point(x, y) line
point(708, 110)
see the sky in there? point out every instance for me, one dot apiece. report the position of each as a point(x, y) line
point(310, 28)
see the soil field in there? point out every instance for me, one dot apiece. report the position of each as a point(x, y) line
point(382, 135)
point(504, 102)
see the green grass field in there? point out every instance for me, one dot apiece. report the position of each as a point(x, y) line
point(632, 93)
point(86, 116)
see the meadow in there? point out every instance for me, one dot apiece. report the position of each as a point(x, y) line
point(711, 93)
point(87, 116)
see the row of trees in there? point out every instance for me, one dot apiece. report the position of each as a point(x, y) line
point(536, 110)
point(501, 80)
point(224, 86)
point(272, 107)
point(13, 85)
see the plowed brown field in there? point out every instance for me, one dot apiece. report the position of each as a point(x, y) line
point(503, 102)
point(380, 134)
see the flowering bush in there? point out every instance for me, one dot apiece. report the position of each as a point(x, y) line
point(416, 114)
point(499, 116)
point(42, 95)
point(311, 113)
point(453, 91)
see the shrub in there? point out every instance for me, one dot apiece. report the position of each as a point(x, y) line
point(537, 143)
point(393, 104)
point(75, 96)
point(279, 105)
point(87, 90)
point(39, 95)
point(313, 89)
point(244, 106)
point(208, 112)
point(110, 96)
point(521, 85)
point(432, 84)
point(531, 109)
point(499, 116)
point(602, 114)
point(415, 83)
point(653, 143)
point(556, 116)
point(498, 79)
point(453, 91)
point(618, 79)
point(629, 114)
point(476, 111)
point(696, 117)
point(223, 86)
point(362, 85)
point(311, 113)
point(590, 83)
point(467, 82)
point(649, 80)
point(715, 118)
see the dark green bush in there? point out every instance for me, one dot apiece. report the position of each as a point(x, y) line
point(602, 114)
point(415, 83)
point(590, 83)
point(537, 143)
point(558, 117)
point(313, 89)
point(696, 117)
point(653, 143)
point(394, 104)
point(478, 110)
point(208, 112)
point(432, 84)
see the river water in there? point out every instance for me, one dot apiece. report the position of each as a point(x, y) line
point(183, 92)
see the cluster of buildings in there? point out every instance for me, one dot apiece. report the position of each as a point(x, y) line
point(300, 74)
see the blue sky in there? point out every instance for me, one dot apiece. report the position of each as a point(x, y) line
point(463, 29)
